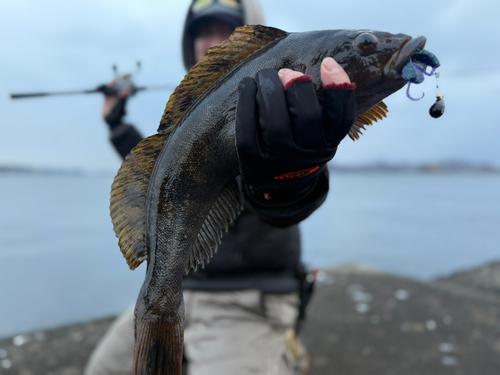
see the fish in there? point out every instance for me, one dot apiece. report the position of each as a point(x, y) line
point(176, 192)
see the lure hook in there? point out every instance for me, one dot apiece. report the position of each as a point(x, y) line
point(409, 83)
point(409, 96)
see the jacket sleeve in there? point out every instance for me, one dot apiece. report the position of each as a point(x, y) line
point(124, 138)
point(290, 213)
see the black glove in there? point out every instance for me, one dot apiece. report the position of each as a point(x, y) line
point(285, 137)
point(114, 118)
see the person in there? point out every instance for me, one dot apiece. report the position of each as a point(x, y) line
point(242, 309)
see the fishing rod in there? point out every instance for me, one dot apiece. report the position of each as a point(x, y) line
point(120, 82)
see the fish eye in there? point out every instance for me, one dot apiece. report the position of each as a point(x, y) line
point(366, 43)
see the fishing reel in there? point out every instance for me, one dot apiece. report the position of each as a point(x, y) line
point(120, 82)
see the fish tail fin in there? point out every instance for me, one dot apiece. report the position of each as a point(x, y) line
point(159, 346)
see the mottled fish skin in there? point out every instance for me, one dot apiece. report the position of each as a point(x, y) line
point(200, 159)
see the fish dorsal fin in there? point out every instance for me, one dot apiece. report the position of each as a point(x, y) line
point(377, 112)
point(222, 213)
point(214, 65)
point(128, 195)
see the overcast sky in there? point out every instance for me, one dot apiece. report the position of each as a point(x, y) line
point(53, 45)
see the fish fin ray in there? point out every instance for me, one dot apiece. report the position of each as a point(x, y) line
point(224, 211)
point(374, 114)
point(214, 65)
point(128, 198)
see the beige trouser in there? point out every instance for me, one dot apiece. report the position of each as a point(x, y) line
point(226, 333)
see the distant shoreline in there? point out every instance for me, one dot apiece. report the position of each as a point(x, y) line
point(426, 168)
point(41, 171)
point(454, 167)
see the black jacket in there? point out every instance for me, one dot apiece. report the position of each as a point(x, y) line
point(262, 249)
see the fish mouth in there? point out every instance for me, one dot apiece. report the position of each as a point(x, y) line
point(406, 65)
point(394, 67)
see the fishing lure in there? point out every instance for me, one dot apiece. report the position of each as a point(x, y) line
point(419, 78)
point(413, 72)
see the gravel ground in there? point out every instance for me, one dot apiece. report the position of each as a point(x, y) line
point(366, 323)
point(359, 322)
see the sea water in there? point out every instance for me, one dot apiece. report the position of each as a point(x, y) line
point(59, 260)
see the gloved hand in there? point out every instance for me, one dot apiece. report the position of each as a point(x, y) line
point(285, 137)
point(113, 110)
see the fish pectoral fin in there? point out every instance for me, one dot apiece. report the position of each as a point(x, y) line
point(224, 211)
point(374, 114)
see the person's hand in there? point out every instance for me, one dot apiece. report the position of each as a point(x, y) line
point(284, 134)
point(113, 110)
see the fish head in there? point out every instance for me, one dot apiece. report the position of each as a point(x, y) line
point(374, 60)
